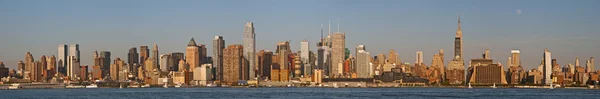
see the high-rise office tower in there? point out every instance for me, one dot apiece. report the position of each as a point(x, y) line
point(218, 46)
point(105, 65)
point(438, 63)
point(250, 50)
point(233, 64)
point(174, 60)
point(73, 67)
point(419, 58)
point(133, 57)
point(394, 58)
point(456, 70)
point(515, 59)
point(283, 51)
point(458, 42)
point(29, 64)
point(590, 65)
point(43, 66)
point(116, 68)
point(323, 61)
point(363, 66)
point(83, 74)
point(338, 44)
point(164, 63)
point(74, 51)
point(62, 58)
point(305, 58)
point(264, 58)
point(74, 55)
point(149, 65)
point(192, 55)
point(155, 55)
point(202, 53)
point(51, 69)
point(144, 53)
point(547, 67)
point(36, 72)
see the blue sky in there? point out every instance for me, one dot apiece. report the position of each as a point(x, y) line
point(568, 28)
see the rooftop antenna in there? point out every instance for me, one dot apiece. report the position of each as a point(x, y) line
point(321, 31)
point(329, 28)
point(338, 25)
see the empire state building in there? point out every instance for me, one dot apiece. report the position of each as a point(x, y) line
point(458, 42)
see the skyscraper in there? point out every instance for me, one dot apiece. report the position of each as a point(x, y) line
point(438, 63)
point(155, 55)
point(174, 60)
point(164, 63)
point(456, 70)
point(233, 64)
point(393, 57)
point(73, 61)
point(363, 66)
point(305, 57)
point(218, 46)
point(458, 42)
point(74, 51)
point(338, 44)
point(73, 67)
point(264, 58)
point(590, 65)
point(192, 55)
point(547, 67)
point(133, 57)
point(105, 55)
point(515, 58)
point(62, 58)
point(116, 68)
point(29, 64)
point(51, 69)
point(144, 53)
point(419, 57)
point(250, 50)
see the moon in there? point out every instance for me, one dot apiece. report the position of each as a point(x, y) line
point(519, 11)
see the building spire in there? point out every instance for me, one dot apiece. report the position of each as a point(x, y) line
point(458, 30)
point(321, 31)
point(192, 42)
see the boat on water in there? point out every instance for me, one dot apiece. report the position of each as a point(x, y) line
point(92, 86)
point(165, 86)
point(551, 86)
point(74, 86)
point(177, 85)
point(146, 86)
point(494, 86)
point(211, 85)
point(121, 86)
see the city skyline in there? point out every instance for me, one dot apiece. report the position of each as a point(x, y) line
point(566, 38)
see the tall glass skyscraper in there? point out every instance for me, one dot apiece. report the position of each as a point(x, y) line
point(250, 48)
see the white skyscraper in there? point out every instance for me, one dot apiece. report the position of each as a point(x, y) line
point(419, 58)
point(363, 68)
point(547, 67)
point(73, 67)
point(249, 48)
point(73, 61)
point(305, 57)
point(62, 57)
point(164, 62)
